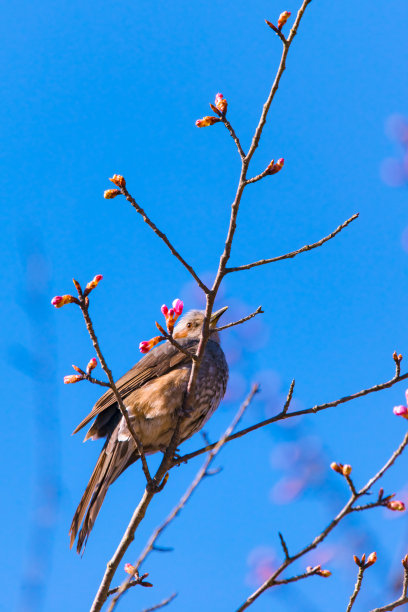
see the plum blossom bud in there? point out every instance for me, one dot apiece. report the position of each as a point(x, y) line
point(73, 378)
point(109, 194)
point(61, 300)
point(91, 365)
point(129, 569)
point(283, 17)
point(147, 345)
point(178, 306)
point(221, 103)
point(273, 167)
point(371, 559)
point(346, 471)
point(404, 561)
point(204, 122)
point(337, 467)
point(93, 283)
point(164, 310)
point(118, 180)
point(324, 573)
point(396, 505)
point(401, 411)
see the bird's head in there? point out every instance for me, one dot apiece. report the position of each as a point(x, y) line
point(191, 324)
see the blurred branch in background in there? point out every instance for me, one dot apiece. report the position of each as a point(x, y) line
point(37, 360)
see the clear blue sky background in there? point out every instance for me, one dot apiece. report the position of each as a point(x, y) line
point(90, 89)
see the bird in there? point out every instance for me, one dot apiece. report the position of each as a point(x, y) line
point(153, 392)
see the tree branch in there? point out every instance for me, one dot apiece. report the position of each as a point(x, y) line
point(402, 600)
point(357, 587)
point(163, 603)
point(163, 236)
point(307, 247)
point(284, 415)
point(347, 509)
point(233, 134)
point(243, 320)
point(84, 306)
point(200, 475)
point(274, 89)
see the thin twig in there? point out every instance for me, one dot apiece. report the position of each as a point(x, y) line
point(243, 320)
point(357, 587)
point(163, 603)
point(163, 236)
point(346, 510)
point(174, 342)
point(289, 397)
point(200, 475)
point(84, 306)
point(307, 247)
point(350, 484)
point(398, 602)
point(259, 177)
point(275, 85)
point(234, 136)
point(285, 415)
point(284, 546)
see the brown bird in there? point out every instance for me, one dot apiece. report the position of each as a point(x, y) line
point(153, 392)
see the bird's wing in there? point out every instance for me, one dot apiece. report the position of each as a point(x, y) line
point(159, 361)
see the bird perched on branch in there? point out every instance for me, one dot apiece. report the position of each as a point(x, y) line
point(153, 392)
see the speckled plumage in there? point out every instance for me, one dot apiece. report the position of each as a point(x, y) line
point(153, 392)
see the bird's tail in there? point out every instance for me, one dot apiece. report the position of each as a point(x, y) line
point(108, 467)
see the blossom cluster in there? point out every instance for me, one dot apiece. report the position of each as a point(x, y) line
point(171, 315)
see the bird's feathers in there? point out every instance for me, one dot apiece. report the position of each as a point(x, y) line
point(158, 362)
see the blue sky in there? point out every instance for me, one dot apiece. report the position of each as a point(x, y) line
point(93, 89)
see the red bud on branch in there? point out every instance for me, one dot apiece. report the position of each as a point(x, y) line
point(60, 300)
point(91, 365)
point(205, 122)
point(146, 345)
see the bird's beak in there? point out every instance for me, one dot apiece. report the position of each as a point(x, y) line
point(216, 315)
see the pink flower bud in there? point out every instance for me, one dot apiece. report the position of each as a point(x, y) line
point(171, 313)
point(129, 569)
point(178, 306)
point(205, 122)
point(146, 345)
point(221, 103)
point(164, 310)
point(73, 378)
point(396, 505)
point(273, 167)
point(61, 300)
point(93, 283)
point(401, 411)
point(91, 365)
point(283, 17)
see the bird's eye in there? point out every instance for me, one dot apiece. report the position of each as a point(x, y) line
point(188, 324)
